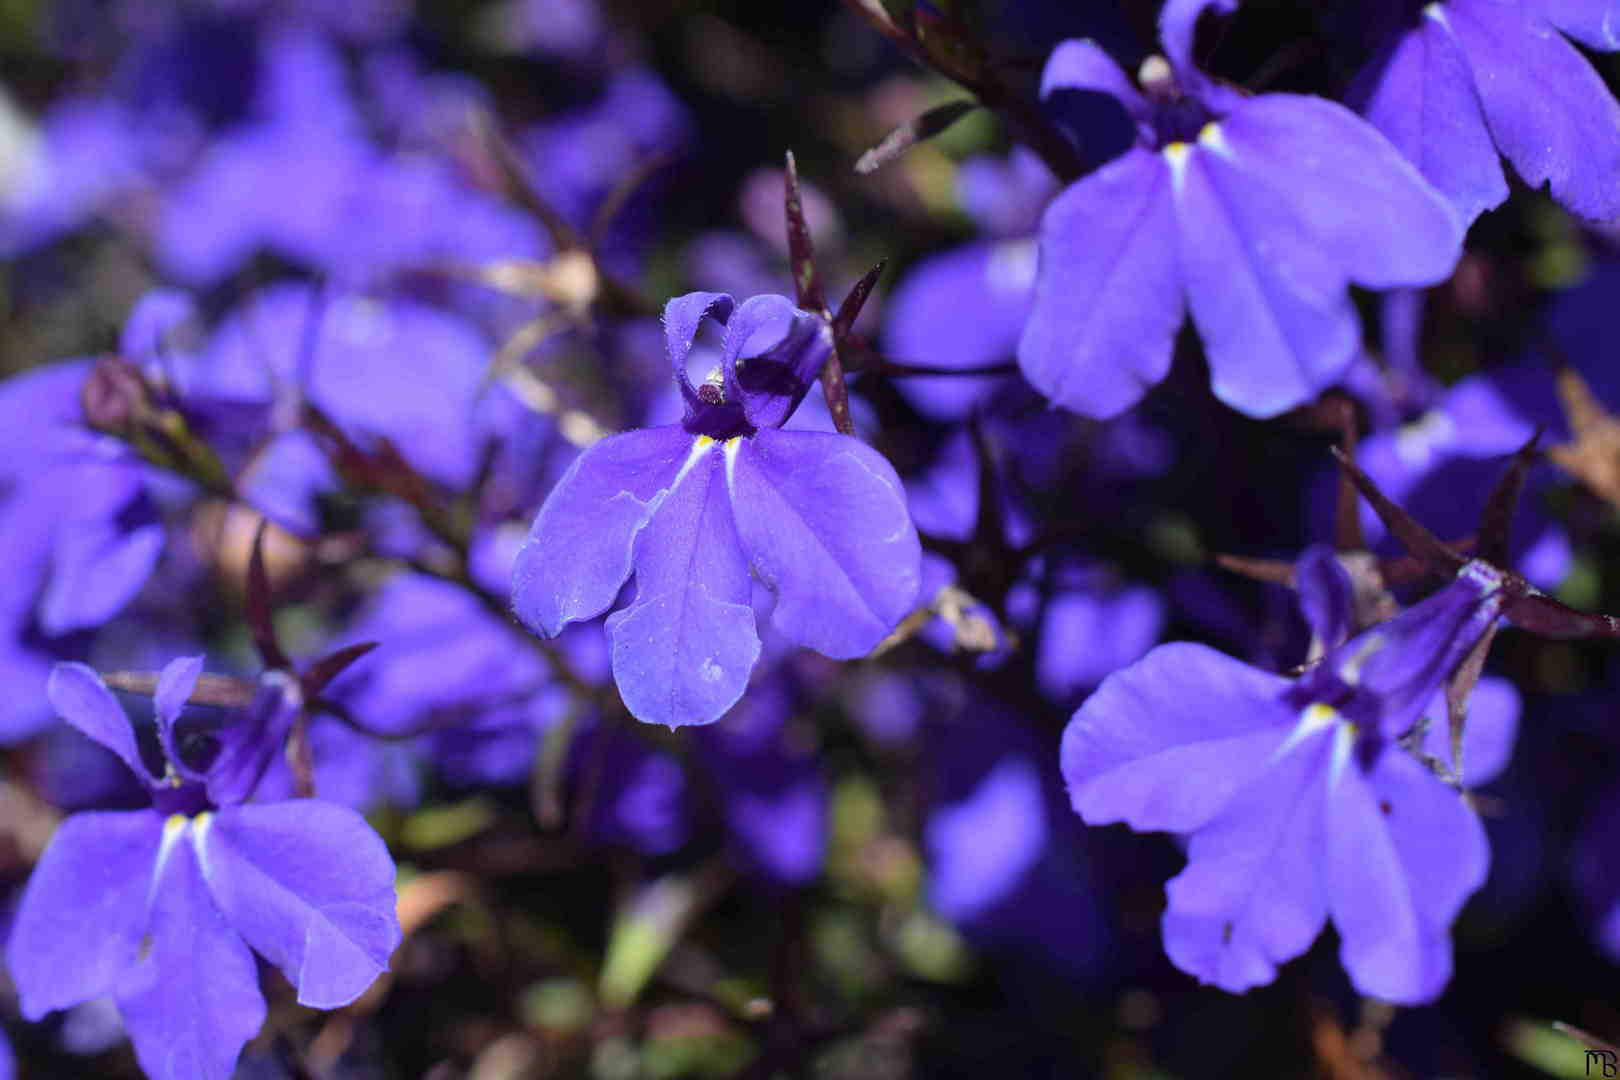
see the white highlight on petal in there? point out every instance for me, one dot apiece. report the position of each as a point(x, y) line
point(1011, 267)
point(1344, 740)
point(730, 450)
point(1437, 13)
point(1314, 719)
point(1417, 443)
point(1176, 154)
point(1213, 139)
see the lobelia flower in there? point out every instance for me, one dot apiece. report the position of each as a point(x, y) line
point(1298, 801)
point(1463, 81)
point(163, 908)
point(689, 509)
point(1253, 213)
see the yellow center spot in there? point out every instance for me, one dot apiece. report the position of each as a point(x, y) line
point(703, 443)
point(1320, 715)
point(1177, 153)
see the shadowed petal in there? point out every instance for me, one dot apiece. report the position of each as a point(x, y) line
point(579, 549)
point(83, 913)
point(771, 355)
point(1167, 742)
point(1178, 25)
point(683, 650)
point(1276, 319)
point(1326, 596)
point(1108, 296)
point(1403, 853)
point(310, 886)
point(1550, 113)
point(682, 317)
point(824, 522)
point(1420, 93)
point(1348, 189)
point(1251, 896)
point(192, 1001)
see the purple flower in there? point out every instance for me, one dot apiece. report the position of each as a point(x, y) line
point(692, 509)
point(966, 307)
point(163, 908)
point(1297, 800)
point(1254, 213)
point(1466, 80)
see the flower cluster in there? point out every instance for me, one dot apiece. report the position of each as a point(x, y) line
point(742, 585)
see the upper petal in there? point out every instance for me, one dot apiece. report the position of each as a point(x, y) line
point(1326, 596)
point(1403, 853)
point(682, 317)
point(310, 886)
point(80, 697)
point(1178, 26)
point(175, 683)
point(1108, 292)
point(1345, 186)
point(579, 549)
point(84, 911)
point(1093, 101)
point(1166, 742)
point(771, 355)
point(192, 1000)
point(823, 520)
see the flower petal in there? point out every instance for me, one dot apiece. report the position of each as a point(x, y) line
point(823, 520)
point(1326, 596)
point(1178, 26)
point(1419, 91)
point(1403, 853)
point(1108, 294)
point(1594, 23)
point(80, 697)
point(1345, 186)
point(192, 1000)
point(683, 650)
point(1274, 313)
point(1251, 896)
point(771, 355)
point(1182, 711)
point(1551, 115)
point(682, 317)
point(310, 886)
point(82, 916)
point(578, 554)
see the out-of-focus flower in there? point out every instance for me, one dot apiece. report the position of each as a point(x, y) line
point(966, 307)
